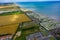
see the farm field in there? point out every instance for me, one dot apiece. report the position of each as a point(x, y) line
point(8, 29)
point(27, 30)
point(11, 19)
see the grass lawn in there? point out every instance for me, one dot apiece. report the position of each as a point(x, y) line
point(30, 31)
point(11, 13)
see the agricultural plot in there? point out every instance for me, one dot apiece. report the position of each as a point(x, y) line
point(8, 29)
point(12, 19)
point(27, 30)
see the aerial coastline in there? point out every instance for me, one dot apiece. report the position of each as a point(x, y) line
point(18, 23)
point(50, 9)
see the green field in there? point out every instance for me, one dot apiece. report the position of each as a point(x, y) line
point(11, 13)
point(28, 31)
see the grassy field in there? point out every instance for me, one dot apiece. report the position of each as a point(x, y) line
point(28, 31)
point(11, 13)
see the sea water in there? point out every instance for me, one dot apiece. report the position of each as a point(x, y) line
point(48, 8)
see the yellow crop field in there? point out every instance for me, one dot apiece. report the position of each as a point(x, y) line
point(8, 29)
point(11, 19)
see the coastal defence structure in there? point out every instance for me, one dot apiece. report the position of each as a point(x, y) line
point(10, 18)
